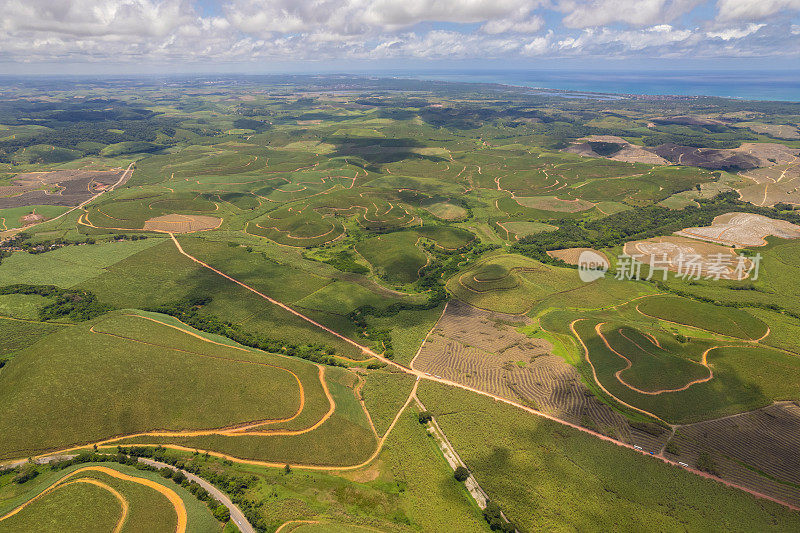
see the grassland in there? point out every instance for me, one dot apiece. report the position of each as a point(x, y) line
point(744, 378)
point(384, 393)
point(129, 375)
point(69, 265)
point(18, 334)
point(409, 487)
point(66, 510)
point(394, 257)
point(24, 306)
point(511, 283)
point(727, 321)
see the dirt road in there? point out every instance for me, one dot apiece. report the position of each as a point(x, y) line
point(422, 375)
point(122, 179)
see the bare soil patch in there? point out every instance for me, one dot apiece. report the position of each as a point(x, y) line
point(182, 223)
point(673, 252)
point(710, 158)
point(765, 440)
point(769, 154)
point(630, 153)
point(743, 229)
point(572, 255)
point(779, 182)
point(31, 218)
point(61, 187)
point(779, 131)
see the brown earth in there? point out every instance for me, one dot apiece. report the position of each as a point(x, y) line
point(711, 158)
point(779, 131)
point(31, 218)
point(743, 229)
point(687, 120)
point(571, 255)
point(779, 182)
point(182, 223)
point(769, 154)
point(60, 187)
point(627, 152)
point(765, 440)
point(673, 252)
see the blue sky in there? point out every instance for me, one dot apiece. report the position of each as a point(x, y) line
point(111, 36)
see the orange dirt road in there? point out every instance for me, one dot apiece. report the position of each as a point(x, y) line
point(171, 495)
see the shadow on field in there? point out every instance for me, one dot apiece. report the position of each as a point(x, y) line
point(376, 151)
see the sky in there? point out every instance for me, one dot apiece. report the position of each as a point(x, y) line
point(263, 36)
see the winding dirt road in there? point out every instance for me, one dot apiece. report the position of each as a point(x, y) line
point(171, 495)
point(629, 364)
point(236, 514)
point(422, 375)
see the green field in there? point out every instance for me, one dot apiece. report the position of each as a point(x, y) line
point(24, 306)
point(395, 256)
point(511, 283)
point(86, 507)
point(367, 211)
point(745, 378)
point(384, 394)
point(657, 363)
point(723, 320)
point(69, 265)
point(160, 378)
point(10, 217)
point(17, 334)
point(572, 481)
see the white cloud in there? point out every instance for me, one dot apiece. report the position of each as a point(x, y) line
point(539, 46)
point(593, 13)
point(281, 30)
point(404, 13)
point(754, 9)
point(512, 25)
point(93, 18)
point(440, 44)
point(728, 34)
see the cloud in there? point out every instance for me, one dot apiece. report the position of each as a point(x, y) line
point(440, 44)
point(614, 42)
point(164, 31)
point(728, 34)
point(593, 13)
point(753, 9)
point(539, 46)
point(403, 13)
point(92, 18)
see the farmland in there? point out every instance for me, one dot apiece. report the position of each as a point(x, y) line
point(506, 456)
point(270, 280)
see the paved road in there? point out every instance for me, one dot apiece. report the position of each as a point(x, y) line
point(236, 514)
point(38, 461)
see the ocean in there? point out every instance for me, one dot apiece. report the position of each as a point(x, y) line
point(749, 84)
